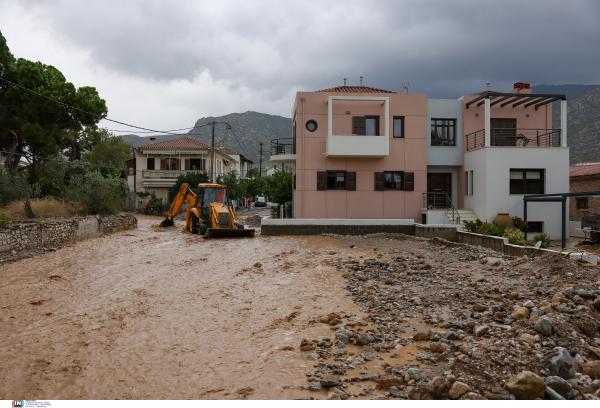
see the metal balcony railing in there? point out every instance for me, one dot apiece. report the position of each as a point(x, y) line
point(514, 137)
point(436, 201)
point(167, 173)
point(283, 146)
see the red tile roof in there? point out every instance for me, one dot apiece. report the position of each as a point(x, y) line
point(584, 170)
point(356, 89)
point(180, 143)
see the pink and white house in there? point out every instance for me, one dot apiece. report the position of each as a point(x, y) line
point(365, 153)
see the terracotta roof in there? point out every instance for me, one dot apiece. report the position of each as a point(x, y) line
point(584, 170)
point(355, 89)
point(227, 151)
point(180, 143)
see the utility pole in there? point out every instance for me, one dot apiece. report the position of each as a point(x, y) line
point(260, 164)
point(212, 155)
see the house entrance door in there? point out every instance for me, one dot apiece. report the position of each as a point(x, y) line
point(504, 132)
point(437, 184)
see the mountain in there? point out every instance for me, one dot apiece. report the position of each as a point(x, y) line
point(583, 127)
point(248, 129)
point(571, 91)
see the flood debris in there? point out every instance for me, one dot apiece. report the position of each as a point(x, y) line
point(455, 321)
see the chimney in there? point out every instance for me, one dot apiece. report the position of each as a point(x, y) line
point(361, 81)
point(344, 81)
point(488, 86)
point(152, 140)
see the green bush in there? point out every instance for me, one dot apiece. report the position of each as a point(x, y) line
point(156, 202)
point(519, 224)
point(545, 238)
point(14, 186)
point(515, 236)
point(4, 217)
point(289, 209)
point(193, 179)
point(94, 194)
point(472, 226)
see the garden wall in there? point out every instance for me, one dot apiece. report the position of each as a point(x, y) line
point(25, 236)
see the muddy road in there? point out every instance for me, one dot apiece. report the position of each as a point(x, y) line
point(160, 314)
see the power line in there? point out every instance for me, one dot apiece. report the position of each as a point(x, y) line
point(172, 130)
point(28, 155)
point(81, 110)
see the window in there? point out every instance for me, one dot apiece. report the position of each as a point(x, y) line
point(365, 125)
point(526, 181)
point(398, 126)
point(443, 132)
point(150, 163)
point(582, 203)
point(311, 126)
point(336, 180)
point(535, 226)
point(394, 180)
point(197, 164)
point(172, 164)
point(472, 183)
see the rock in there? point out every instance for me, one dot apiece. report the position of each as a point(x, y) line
point(558, 298)
point(330, 381)
point(561, 364)
point(529, 304)
point(311, 357)
point(333, 396)
point(388, 381)
point(324, 319)
point(587, 326)
point(451, 336)
point(335, 322)
point(420, 336)
point(342, 338)
point(559, 385)
point(478, 307)
point(546, 309)
point(520, 314)
point(543, 303)
point(472, 396)
point(314, 388)
point(527, 386)
point(528, 338)
point(591, 369)
point(597, 303)
point(414, 373)
point(499, 315)
point(483, 260)
point(438, 347)
point(437, 386)
point(395, 392)
point(341, 394)
point(544, 326)
point(363, 339)
point(458, 389)
point(481, 330)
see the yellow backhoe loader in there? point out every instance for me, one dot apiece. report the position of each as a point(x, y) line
point(209, 212)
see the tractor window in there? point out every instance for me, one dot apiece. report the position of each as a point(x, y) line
point(216, 195)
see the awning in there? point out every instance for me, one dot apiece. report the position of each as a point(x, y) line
point(514, 99)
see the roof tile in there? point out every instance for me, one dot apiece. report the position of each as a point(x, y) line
point(584, 170)
point(180, 143)
point(355, 89)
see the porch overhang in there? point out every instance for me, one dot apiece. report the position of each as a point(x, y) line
point(516, 99)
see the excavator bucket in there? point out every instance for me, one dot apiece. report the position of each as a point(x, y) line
point(228, 233)
point(167, 223)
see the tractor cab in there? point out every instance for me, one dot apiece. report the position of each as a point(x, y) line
point(212, 194)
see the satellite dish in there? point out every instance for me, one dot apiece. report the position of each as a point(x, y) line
point(538, 245)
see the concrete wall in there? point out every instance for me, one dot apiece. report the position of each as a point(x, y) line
point(25, 236)
point(436, 217)
point(491, 167)
point(445, 155)
point(274, 227)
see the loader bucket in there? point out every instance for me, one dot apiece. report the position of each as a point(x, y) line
point(167, 223)
point(228, 233)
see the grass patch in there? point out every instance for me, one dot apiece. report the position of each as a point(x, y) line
point(48, 207)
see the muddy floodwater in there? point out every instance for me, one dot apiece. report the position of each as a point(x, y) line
point(158, 313)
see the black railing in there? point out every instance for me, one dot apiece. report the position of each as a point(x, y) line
point(283, 146)
point(437, 201)
point(514, 137)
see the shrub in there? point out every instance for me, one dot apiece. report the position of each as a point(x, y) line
point(515, 236)
point(472, 226)
point(193, 179)
point(14, 186)
point(4, 217)
point(156, 201)
point(94, 194)
point(545, 238)
point(519, 224)
point(289, 209)
point(46, 207)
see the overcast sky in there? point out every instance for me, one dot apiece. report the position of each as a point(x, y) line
point(163, 65)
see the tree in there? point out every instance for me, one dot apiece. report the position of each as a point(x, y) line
point(234, 184)
point(43, 127)
point(281, 191)
point(193, 179)
point(111, 151)
point(94, 194)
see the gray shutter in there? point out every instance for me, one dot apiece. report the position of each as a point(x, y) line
point(379, 186)
point(351, 181)
point(409, 181)
point(321, 180)
point(359, 125)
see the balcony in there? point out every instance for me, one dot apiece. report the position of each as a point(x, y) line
point(167, 174)
point(283, 150)
point(358, 146)
point(515, 138)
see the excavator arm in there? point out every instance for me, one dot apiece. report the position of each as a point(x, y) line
point(185, 193)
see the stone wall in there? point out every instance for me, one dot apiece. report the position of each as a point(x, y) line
point(25, 236)
point(294, 226)
point(583, 183)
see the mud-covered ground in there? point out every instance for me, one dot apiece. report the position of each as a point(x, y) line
point(157, 313)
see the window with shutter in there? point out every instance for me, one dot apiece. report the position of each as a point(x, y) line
point(379, 181)
point(409, 181)
point(321, 180)
point(358, 125)
point(163, 164)
point(351, 180)
point(150, 163)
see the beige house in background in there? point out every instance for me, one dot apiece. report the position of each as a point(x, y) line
point(158, 165)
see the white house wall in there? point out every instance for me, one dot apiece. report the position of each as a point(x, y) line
point(445, 155)
point(491, 172)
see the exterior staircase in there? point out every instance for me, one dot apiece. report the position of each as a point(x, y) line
point(465, 215)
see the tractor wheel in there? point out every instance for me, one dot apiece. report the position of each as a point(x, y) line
point(195, 222)
point(203, 229)
point(240, 226)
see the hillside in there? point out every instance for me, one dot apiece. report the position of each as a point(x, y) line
point(583, 127)
point(249, 129)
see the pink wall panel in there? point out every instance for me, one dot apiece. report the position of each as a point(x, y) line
point(336, 203)
point(393, 204)
point(315, 204)
point(336, 163)
point(315, 159)
point(415, 154)
point(395, 161)
point(309, 181)
point(413, 201)
point(358, 164)
point(365, 181)
point(365, 204)
point(421, 181)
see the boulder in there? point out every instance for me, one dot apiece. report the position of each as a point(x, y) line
point(544, 326)
point(480, 330)
point(588, 326)
point(478, 307)
point(559, 385)
point(592, 369)
point(437, 386)
point(561, 364)
point(558, 298)
point(520, 314)
point(330, 381)
point(420, 336)
point(414, 374)
point(388, 381)
point(529, 304)
point(364, 338)
point(527, 386)
point(438, 347)
point(597, 303)
point(472, 396)
point(458, 389)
